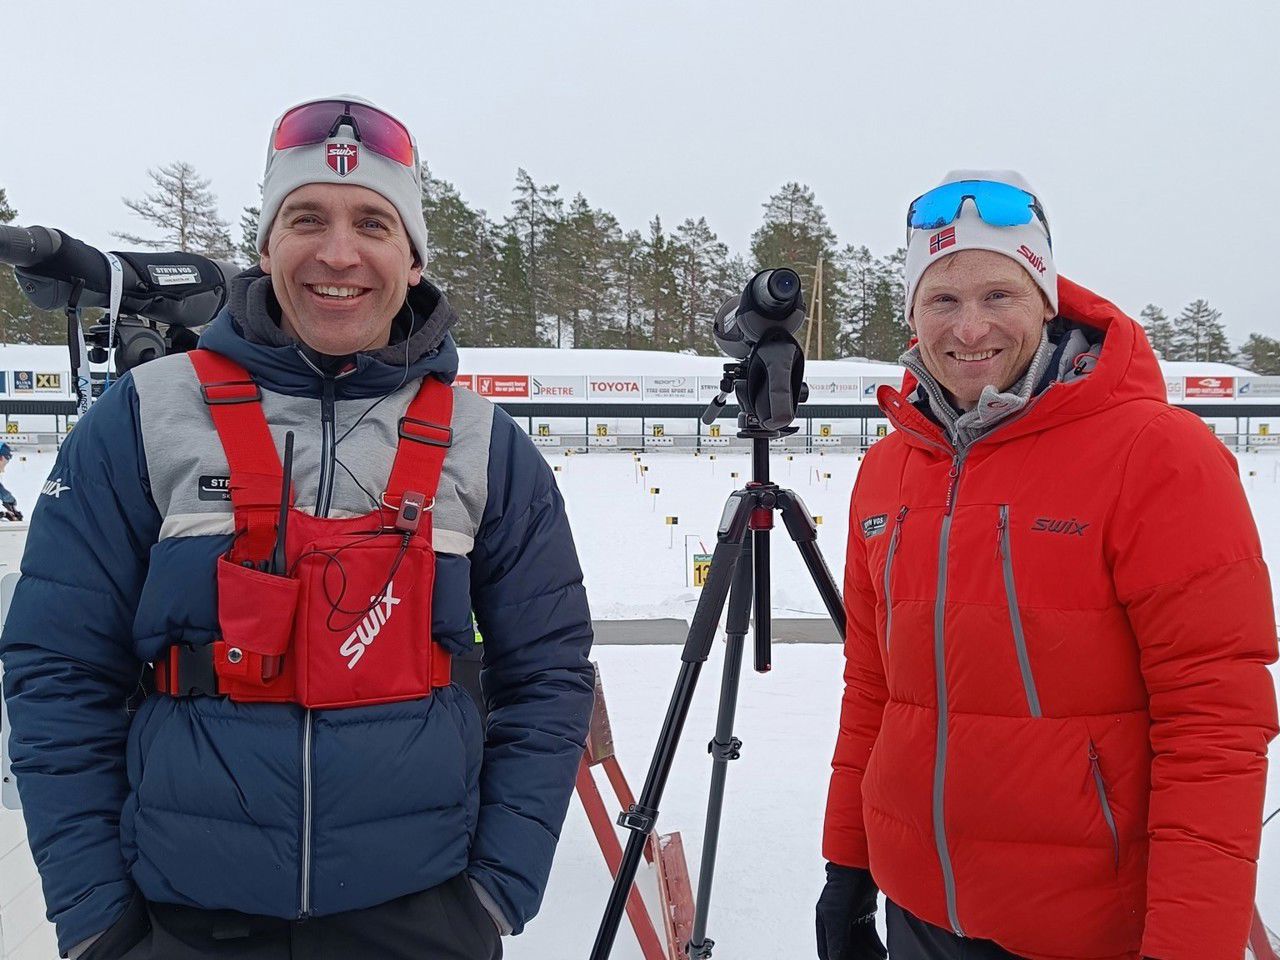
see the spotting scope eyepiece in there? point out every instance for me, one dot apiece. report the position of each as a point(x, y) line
point(776, 293)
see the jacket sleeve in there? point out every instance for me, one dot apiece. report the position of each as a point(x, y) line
point(844, 838)
point(69, 665)
point(532, 612)
point(1187, 565)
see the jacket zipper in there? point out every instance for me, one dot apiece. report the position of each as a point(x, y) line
point(1015, 614)
point(305, 905)
point(1101, 786)
point(888, 573)
point(940, 675)
point(939, 655)
point(324, 498)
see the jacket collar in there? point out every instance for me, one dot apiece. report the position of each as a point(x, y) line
point(1126, 369)
point(247, 331)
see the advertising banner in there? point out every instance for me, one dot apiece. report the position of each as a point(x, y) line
point(1216, 387)
point(559, 388)
point(1257, 387)
point(1173, 387)
point(504, 386)
point(834, 389)
point(614, 388)
point(871, 384)
point(671, 388)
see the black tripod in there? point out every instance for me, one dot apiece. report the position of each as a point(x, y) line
point(747, 511)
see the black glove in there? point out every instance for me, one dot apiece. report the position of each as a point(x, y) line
point(847, 916)
point(11, 511)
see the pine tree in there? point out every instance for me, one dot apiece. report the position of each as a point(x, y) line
point(536, 210)
point(1200, 335)
point(461, 259)
point(1261, 355)
point(858, 269)
point(1160, 331)
point(665, 326)
point(703, 282)
point(247, 253)
point(885, 333)
point(185, 211)
point(20, 322)
point(627, 266)
point(511, 306)
point(795, 234)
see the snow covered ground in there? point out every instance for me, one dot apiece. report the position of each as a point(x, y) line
point(770, 869)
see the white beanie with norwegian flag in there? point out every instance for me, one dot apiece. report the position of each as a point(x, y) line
point(1026, 244)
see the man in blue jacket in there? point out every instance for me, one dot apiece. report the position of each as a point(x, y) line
point(189, 823)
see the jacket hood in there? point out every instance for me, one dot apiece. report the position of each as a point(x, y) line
point(248, 332)
point(1127, 369)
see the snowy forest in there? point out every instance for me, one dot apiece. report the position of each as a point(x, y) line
point(555, 271)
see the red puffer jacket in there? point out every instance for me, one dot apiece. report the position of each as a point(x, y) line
point(1057, 707)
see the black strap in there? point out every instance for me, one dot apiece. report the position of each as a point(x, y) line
point(187, 671)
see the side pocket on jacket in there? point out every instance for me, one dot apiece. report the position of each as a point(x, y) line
point(1096, 767)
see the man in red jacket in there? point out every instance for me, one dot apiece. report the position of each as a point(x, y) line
point(1053, 740)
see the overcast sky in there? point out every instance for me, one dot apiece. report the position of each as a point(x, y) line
point(1149, 129)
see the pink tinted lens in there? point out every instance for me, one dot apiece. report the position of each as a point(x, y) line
point(311, 123)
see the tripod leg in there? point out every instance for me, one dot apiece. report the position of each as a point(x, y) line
point(804, 532)
point(724, 747)
point(642, 815)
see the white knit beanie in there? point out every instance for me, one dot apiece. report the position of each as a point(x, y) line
point(351, 163)
point(1026, 244)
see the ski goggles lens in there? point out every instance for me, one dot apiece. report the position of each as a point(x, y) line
point(317, 122)
point(998, 204)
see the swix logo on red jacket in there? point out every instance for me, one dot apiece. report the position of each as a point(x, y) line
point(368, 628)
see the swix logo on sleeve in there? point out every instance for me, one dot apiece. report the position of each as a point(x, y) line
point(54, 488)
point(342, 157)
point(1033, 258)
point(941, 240)
point(368, 628)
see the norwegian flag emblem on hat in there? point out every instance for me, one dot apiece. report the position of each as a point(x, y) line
point(342, 157)
point(941, 240)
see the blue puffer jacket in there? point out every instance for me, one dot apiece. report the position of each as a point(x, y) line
point(269, 808)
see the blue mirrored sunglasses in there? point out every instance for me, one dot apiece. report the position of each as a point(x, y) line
point(999, 204)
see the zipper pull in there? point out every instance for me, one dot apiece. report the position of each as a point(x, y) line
point(952, 475)
point(1000, 525)
point(902, 515)
point(1093, 754)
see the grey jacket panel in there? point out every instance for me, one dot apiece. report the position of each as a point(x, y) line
point(171, 405)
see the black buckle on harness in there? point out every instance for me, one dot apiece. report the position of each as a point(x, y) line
point(190, 671)
point(231, 391)
point(424, 431)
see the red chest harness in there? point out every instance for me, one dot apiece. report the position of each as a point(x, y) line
point(341, 617)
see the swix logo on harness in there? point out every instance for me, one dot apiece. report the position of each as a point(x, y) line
point(1032, 258)
point(54, 488)
point(364, 634)
point(342, 157)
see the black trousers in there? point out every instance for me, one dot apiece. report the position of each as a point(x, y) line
point(910, 938)
point(444, 923)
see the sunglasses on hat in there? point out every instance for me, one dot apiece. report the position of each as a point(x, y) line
point(998, 204)
point(316, 122)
